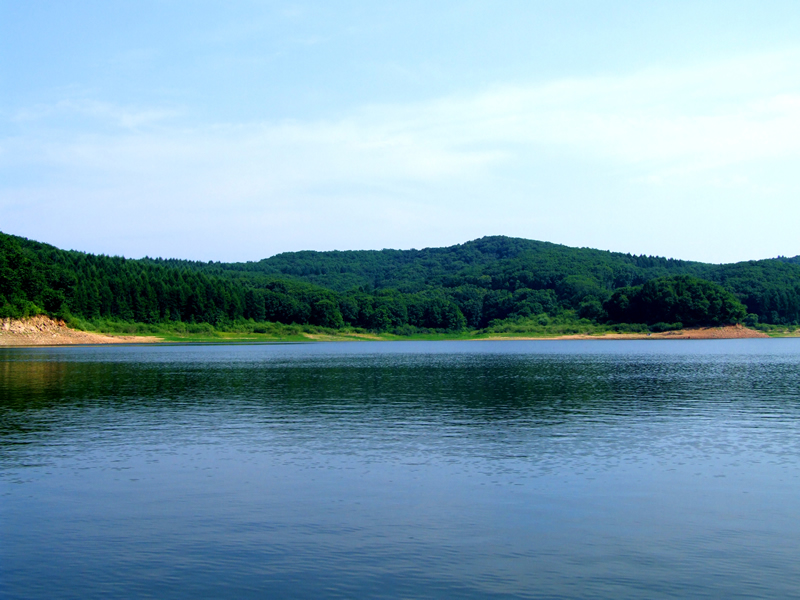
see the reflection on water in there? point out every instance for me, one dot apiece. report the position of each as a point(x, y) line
point(510, 469)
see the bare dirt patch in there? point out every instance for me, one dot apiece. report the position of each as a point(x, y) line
point(44, 331)
point(694, 333)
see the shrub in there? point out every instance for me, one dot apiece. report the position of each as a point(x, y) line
point(659, 327)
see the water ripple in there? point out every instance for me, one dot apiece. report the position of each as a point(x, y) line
point(428, 470)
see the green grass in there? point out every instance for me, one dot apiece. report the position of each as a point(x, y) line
point(248, 331)
point(780, 330)
point(543, 326)
point(566, 323)
point(204, 332)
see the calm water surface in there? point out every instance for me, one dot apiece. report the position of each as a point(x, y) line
point(633, 469)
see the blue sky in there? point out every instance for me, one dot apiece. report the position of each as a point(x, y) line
point(237, 130)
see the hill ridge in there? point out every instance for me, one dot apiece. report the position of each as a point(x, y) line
point(472, 284)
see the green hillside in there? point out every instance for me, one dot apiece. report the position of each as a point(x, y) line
point(472, 285)
point(414, 270)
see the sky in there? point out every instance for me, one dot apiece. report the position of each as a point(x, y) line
point(234, 131)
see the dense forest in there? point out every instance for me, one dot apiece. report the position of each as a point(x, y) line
point(468, 286)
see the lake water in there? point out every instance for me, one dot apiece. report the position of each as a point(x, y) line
point(541, 469)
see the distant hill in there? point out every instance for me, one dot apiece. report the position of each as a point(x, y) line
point(414, 270)
point(470, 284)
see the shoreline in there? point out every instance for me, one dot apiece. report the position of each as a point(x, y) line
point(43, 331)
point(729, 332)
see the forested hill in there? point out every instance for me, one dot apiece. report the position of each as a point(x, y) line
point(469, 285)
point(415, 270)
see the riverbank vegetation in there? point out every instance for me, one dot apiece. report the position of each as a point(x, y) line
point(542, 325)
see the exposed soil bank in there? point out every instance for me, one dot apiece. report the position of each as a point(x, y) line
point(44, 331)
point(695, 333)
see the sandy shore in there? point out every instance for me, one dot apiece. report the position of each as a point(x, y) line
point(696, 333)
point(44, 331)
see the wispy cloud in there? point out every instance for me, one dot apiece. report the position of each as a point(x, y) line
point(705, 124)
point(695, 118)
point(122, 117)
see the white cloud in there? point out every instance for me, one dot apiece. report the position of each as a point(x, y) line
point(676, 131)
point(704, 116)
point(119, 116)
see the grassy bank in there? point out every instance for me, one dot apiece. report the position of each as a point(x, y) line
point(540, 326)
point(779, 330)
point(43, 330)
point(204, 332)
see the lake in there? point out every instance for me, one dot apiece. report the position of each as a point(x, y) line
point(509, 469)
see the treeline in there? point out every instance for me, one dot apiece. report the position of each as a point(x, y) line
point(679, 300)
point(470, 285)
point(505, 272)
point(770, 289)
point(37, 278)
